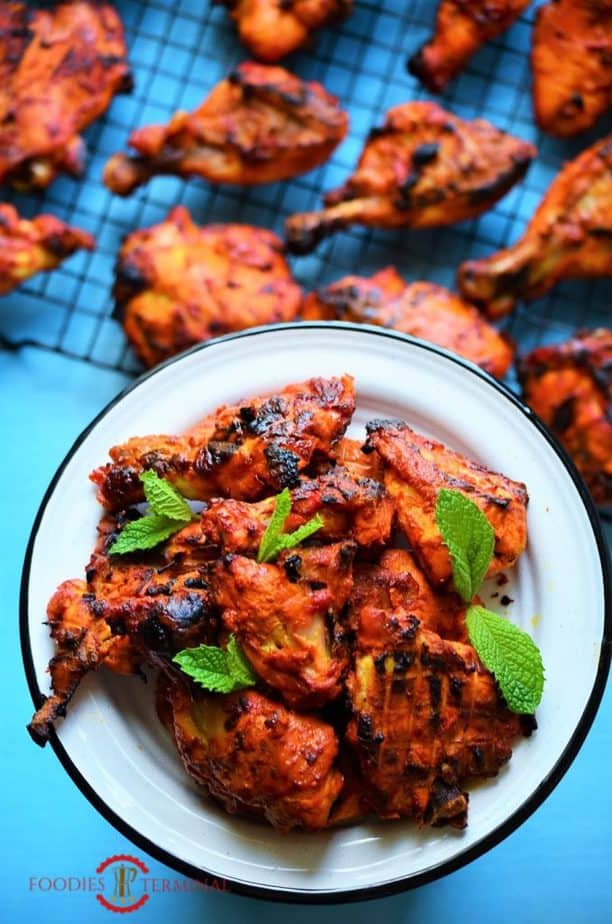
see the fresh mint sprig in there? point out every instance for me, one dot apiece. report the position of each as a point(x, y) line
point(220, 670)
point(169, 513)
point(274, 540)
point(504, 649)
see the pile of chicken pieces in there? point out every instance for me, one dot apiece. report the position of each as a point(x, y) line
point(369, 699)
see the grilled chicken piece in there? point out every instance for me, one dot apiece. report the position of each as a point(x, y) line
point(271, 29)
point(178, 284)
point(417, 468)
point(569, 237)
point(422, 309)
point(248, 451)
point(426, 714)
point(423, 169)
point(30, 247)
point(83, 643)
point(569, 385)
point(260, 125)
point(286, 616)
point(570, 98)
point(254, 755)
point(59, 70)
point(462, 26)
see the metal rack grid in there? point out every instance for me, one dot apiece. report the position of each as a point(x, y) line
point(178, 50)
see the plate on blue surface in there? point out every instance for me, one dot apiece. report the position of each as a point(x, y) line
point(112, 743)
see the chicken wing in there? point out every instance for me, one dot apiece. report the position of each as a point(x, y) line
point(570, 98)
point(59, 70)
point(422, 309)
point(423, 169)
point(569, 385)
point(426, 714)
point(247, 451)
point(462, 26)
point(286, 616)
point(260, 125)
point(178, 284)
point(254, 755)
point(271, 29)
point(569, 237)
point(30, 247)
point(417, 468)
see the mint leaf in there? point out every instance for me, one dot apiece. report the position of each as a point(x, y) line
point(145, 533)
point(511, 655)
point(469, 537)
point(274, 540)
point(217, 669)
point(163, 497)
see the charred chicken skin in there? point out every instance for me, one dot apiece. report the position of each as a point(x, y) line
point(59, 70)
point(426, 714)
point(260, 125)
point(424, 168)
point(271, 29)
point(462, 26)
point(569, 237)
point(255, 756)
point(569, 385)
point(178, 284)
point(30, 247)
point(422, 309)
point(246, 451)
point(417, 468)
point(570, 99)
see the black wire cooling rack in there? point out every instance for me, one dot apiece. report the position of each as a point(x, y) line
point(178, 50)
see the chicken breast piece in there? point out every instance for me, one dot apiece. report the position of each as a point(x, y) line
point(178, 284)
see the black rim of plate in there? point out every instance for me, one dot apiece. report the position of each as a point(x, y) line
point(503, 830)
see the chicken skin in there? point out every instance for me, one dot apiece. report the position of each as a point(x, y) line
point(569, 99)
point(422, 309)
point(59, 70)
point(246, 451)
point(569, 386)
point(39, 245)
point(178, 284)
point(424, 168)
point(260, 125)
point(417, 468)
point(253, 755)
point(271, 29)
point(569, 237)
point(426, 714)
point(462, 26)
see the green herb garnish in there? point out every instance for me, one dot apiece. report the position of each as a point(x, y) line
point(221, 670)
point(504, 649)
point(169, 513)
point(274, 540)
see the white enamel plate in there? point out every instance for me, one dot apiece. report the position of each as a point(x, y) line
point(112, 744)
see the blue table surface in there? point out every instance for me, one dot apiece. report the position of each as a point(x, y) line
point(555, 868)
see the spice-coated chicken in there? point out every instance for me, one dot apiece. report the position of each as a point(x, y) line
point(246, 451)
point(260, 125)
point(271, 29)
point(569, 237)
point(426, 714)
point(178, 284)
point(422, 309)
point(254, 755)
point(417, 468)
point(570, 98)
point(30, 247)
point(59, 70)
point(569, 385)
point(422, 169)
point(462, 26)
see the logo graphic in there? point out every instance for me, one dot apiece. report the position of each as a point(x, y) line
point(122, 877)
